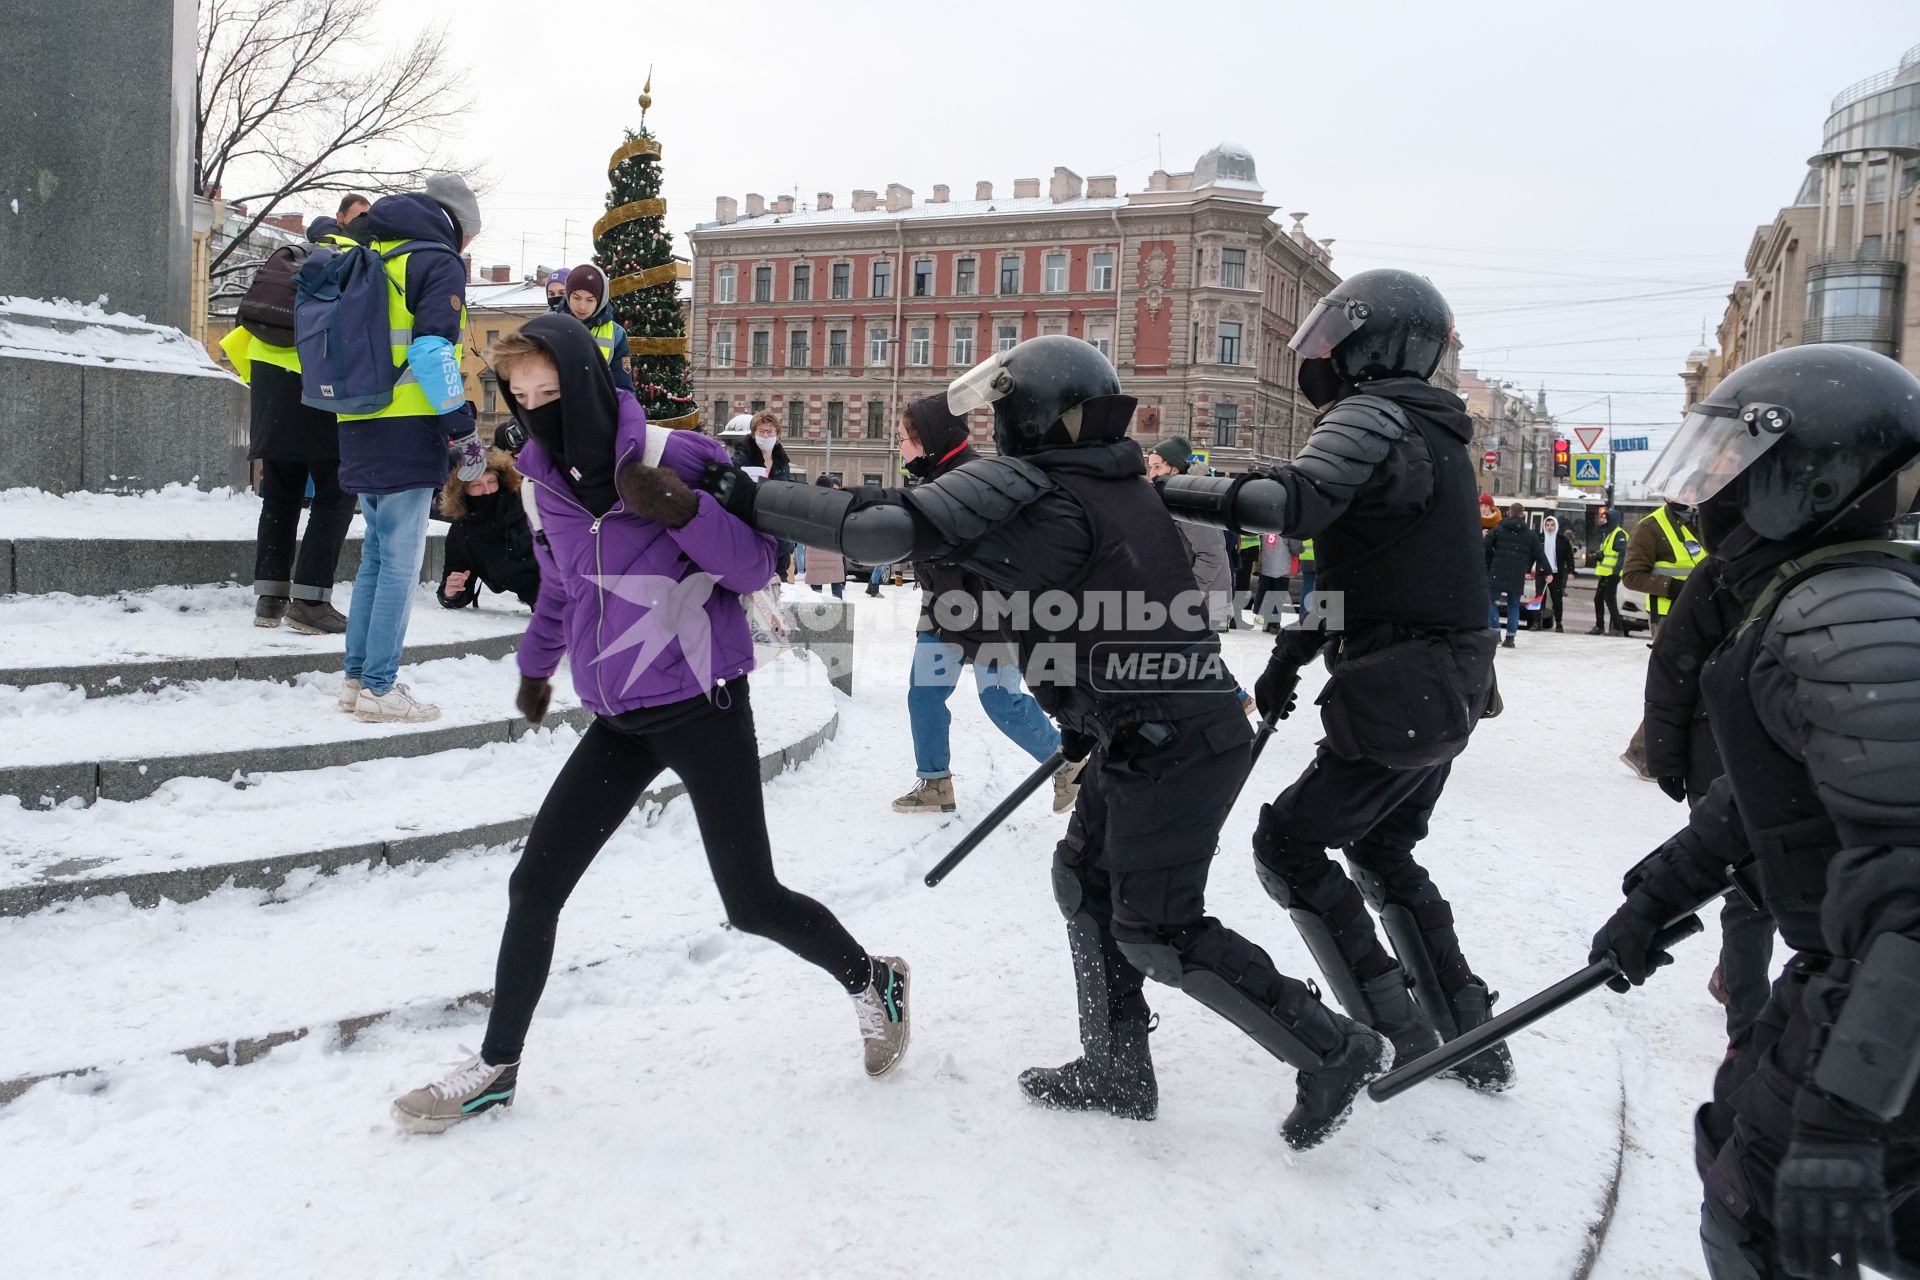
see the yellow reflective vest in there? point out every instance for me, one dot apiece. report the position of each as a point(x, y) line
point(1683, 553)
point(245, 350)
point(1612, 547)
point(409, 401)
point(603, 338)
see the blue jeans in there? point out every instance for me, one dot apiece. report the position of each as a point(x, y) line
point(383, 590)
point(878, 575)
point(1516, 603)
point(936, 672)
point(1307, 577)
point(799, 562)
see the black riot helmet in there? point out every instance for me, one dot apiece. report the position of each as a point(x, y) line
point(1378, 324)
point(1813, 442)
point(1047, 392)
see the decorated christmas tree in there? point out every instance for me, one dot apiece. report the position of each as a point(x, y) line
point(633, 246)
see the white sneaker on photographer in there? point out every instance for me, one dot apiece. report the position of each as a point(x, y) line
point(396, 704)
point(349, 695)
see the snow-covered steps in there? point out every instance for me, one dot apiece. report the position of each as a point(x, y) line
point(141, 641)
point(191, 835)
point(56, 745)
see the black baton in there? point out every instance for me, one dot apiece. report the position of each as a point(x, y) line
point(984, 828)
point(1525, 1014)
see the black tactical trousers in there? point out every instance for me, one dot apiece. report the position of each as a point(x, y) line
point(1376, 815)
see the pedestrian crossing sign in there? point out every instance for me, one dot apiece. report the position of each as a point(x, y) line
point(1590, 468)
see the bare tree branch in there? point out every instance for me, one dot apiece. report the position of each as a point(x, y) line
point(280, 104)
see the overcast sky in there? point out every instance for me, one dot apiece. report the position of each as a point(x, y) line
point(1539, 161)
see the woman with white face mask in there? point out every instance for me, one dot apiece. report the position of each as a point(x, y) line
point(762, 449)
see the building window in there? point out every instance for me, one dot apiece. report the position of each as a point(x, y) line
point(964, 273)
point(1053, 273)
point(963, 345)
point(876, 421)
point(922, 279)
point(836, 419)
point(1226, 424)
point(723, 348)
point(882, 278)
point(1100, 337)
point(1006, 337)
point(840, 284)
point(763, 284)
point(871, 478)
point(803, 283)
point(877, 337)
point(762, 342)
point(837, 347)
point(755, 406)
point(719, 414)
point(796, 418)
point(1233, 268)
point(797, 349)
point(1010, 274)
point(493, 336)
point(920, 346)
point(490, 397)
point(1102, 281)
point(723, 289)
point(1229, 343)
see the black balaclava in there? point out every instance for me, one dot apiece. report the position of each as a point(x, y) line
point(944, 438)
point(578, 429)
point(1320, 382)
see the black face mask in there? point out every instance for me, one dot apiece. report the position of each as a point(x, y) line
point(920, 468)
point(556, 304)
point(1718, 517)
point(543, 424)
point(1320, 382)
point(481, 505)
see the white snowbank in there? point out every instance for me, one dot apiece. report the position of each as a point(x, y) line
point(176, 511)
point(88, 333)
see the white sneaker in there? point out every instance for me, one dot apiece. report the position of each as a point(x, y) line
point(885, 1024)
point(465, 1092)
point(349, 695)
point(397, 704)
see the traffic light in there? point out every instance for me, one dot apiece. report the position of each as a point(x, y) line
point(1562, 458)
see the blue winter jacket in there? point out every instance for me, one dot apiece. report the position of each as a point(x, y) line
point(391, 455)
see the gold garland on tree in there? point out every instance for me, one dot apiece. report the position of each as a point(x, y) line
point(652, 277)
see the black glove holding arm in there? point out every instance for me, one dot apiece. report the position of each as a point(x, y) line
point(1075, 745)
point(731, 487)
point(1274, 693)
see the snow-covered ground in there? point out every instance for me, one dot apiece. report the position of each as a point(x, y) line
point(691, 1102)
point(167, 623)
point(177, 511)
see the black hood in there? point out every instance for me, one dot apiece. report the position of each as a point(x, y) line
point(577, 430)
point(944, 439)
point(1441, 408)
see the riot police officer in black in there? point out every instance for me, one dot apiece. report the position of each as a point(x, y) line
point(1810, 1150)
point(1386, 490)
point(1123, 659)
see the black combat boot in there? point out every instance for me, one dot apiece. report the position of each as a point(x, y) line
point(1325, 1093)
point(1115, 1077)
point(1390, 1010)
point(1490, 1071)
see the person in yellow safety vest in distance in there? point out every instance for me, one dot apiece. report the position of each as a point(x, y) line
point(1305, 555)
point(1661, 553)
point(298, 449)
point(588, 302)
point(1605, 559)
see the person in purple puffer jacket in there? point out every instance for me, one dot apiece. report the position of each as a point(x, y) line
point(640, 578)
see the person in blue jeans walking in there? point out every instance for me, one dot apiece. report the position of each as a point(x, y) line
point(933, 442)
point(396, 458)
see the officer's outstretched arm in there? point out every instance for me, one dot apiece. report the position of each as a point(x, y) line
point(1837, 683)
point(1347, 446)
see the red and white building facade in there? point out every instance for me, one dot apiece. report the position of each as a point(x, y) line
point(837, 317)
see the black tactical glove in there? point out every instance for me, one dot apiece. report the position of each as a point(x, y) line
point(732, 487)
point(1628, 938)
point(1075, 745)
point(1830, 1197)
point(533, 699)
point(1275, 693)
point(656, 493)
point(1676, 789)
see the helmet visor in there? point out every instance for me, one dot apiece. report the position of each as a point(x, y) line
point(1331, 322)
point(979, 386)
point(1715, 444)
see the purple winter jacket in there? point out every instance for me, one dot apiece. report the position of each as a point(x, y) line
point(650, 615)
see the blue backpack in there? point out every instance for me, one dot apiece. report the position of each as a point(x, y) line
point(340, 327)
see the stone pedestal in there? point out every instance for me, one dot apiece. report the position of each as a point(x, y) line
point(95, 158)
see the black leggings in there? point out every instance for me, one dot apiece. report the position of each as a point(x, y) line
point(713, 750)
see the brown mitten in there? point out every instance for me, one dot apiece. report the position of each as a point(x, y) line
point(655, 493)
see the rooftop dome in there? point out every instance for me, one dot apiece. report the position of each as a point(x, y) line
point(1228, 162)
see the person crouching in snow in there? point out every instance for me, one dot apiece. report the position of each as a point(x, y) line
point(639, 583)
point(488, 539)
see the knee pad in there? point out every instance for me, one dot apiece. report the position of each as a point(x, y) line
point(1067, 890)
point(1158, 960)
